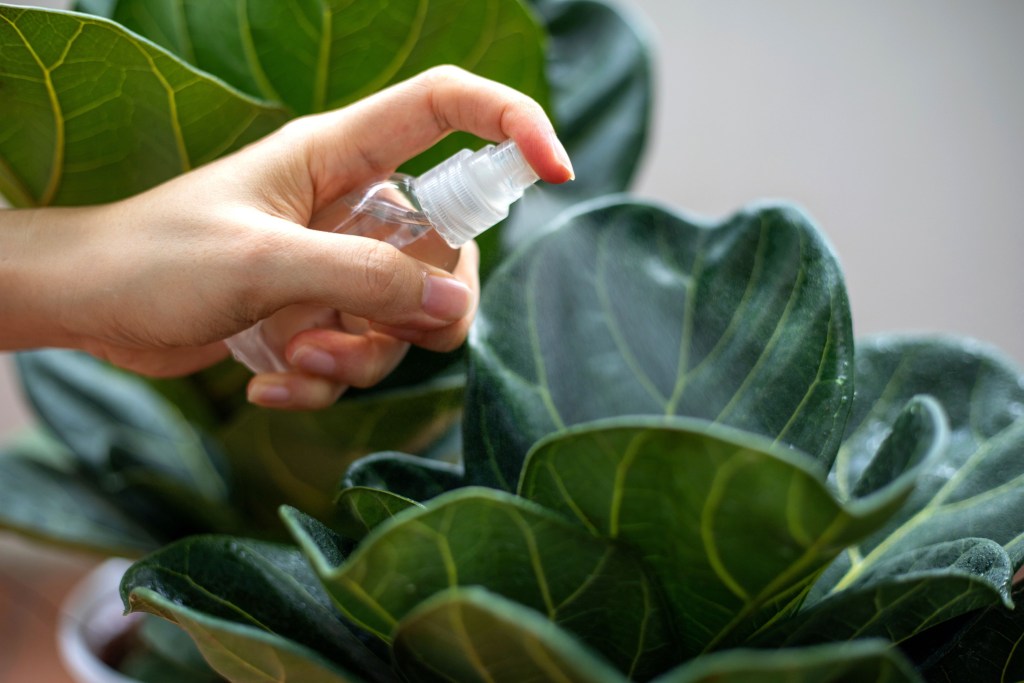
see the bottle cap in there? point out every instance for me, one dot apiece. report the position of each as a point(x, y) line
point(471, 191)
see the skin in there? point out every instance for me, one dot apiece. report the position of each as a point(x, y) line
point(155, 283)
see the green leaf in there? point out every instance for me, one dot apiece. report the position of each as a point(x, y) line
point(43, 499)
point(162, 652)
point(860, 662)
point(96, 113)
point(986, 648)
point(904, 594)
point(359, 510)
point(408, 475)
point(250, 604)
point(973, 489)
point(133, 446)
point(697, 501)
point(472, 634)
point(243, 654)
point(314, 55)
point(527, 554)
point(298, 458)
point(976, 487)
point(113, 422)
point(599, 68)
point(628, 309)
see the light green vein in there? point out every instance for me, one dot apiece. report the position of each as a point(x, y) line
point(172, 105)
point(470, 647)
point(921, 516)
point(813, 386)
point(569, 501)
point(534, 330)
point(738, 319)
point(252, 57)
point(716, 494)
point(535, 561)
point(184, 36)
point(619, 485)
point(686, 334)
point(53, 182)
point(770, 346)
point(402, 54)
point(323, 59)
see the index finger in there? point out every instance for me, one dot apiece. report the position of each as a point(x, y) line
point(372, 137)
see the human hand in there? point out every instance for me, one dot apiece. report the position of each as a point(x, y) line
point(154, 283)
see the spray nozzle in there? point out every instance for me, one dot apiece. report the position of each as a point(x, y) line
point(471, 191)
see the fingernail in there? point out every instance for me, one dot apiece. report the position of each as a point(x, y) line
point(561, 155)
point(446, 298)
point(314, 361)
point(268, 393)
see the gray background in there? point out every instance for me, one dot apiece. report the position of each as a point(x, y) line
point(896, 123)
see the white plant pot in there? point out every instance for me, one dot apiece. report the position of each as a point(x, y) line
point(92, 617)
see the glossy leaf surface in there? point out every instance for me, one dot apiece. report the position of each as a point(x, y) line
point(904, 594)
point(93, 113)
point(697, 501)
point(313, 56)
point(249, 605)
point(973, 490)
point(628, 309)
point(927, 563)
point(472, 634)
point(869, 661)
point(516, 549)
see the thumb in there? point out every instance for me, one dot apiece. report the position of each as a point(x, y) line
point(360, 276)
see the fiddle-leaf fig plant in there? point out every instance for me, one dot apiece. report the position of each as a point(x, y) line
point(605, 524)
point(102, 105)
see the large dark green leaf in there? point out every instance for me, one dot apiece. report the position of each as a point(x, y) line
point(250, 604)
point(45, 498)
point(628, 309)
point(472, 634)
point(697, 501)
point(93, 113)
point(973, 490)
point(904, 594)
point(869, 661)
point(313, 56)
point(298, 458)
point(482, 537)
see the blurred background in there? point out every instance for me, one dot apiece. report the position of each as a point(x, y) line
point(897, 126)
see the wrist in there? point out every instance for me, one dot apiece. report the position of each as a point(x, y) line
point(45, 267)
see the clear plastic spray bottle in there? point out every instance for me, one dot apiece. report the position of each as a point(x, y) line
point(452, 203)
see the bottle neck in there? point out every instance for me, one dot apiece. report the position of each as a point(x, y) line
point(472, 191)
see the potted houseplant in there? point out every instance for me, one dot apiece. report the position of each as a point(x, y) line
point(137, 470)
point(675, 463)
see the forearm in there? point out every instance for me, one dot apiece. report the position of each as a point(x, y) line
point(43, 263)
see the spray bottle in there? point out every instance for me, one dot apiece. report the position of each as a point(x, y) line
point(455, 201)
